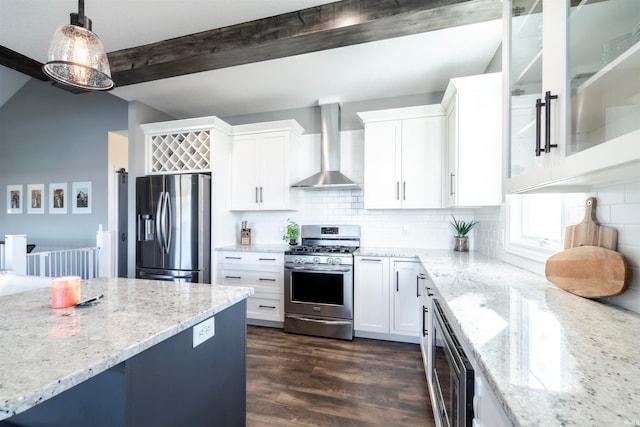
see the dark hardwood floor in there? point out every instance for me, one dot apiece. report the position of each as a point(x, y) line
point(296, 380)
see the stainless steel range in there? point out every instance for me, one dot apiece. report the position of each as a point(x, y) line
point(318, 281)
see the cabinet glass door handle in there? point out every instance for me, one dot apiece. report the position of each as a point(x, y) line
point(547, 119)
point(547, 123)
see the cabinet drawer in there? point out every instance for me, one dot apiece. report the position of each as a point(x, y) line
point(254, 258)
point(262, 281)
point(265, 307)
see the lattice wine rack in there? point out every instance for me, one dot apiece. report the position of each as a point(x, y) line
point(180, 152)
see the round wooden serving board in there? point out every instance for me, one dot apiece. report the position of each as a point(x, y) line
point(589, 271)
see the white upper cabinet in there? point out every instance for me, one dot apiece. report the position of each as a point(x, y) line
point(182, 146)
point(260, 166)
point(572, 92)
point(402, 158)
point(474, 141)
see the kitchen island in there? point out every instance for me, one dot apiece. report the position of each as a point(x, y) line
point(128, 360)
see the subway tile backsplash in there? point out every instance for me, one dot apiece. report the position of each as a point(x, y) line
point(618, 206)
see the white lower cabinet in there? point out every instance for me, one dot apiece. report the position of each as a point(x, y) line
point(263, 271)
point(405, 319)
point(371, 294)
point(386, 296)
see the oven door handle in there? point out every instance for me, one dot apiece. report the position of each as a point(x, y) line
point(324, 322)
point(320, 269)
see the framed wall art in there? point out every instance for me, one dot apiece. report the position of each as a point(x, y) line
point(81, 197)
point(35, 199)
point(58, 198)
point(14, 199)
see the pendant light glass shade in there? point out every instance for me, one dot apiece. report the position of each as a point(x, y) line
point(77, 58)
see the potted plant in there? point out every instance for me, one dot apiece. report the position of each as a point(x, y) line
point(292, 232)
point(461, 240)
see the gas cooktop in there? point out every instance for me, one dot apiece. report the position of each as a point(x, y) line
point(318, 249)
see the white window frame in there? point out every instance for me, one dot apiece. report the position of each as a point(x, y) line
point(536, 249)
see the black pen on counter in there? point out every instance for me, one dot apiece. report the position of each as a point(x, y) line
point(90, 301)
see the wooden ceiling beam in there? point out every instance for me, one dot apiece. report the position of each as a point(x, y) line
point(17, 61)
point(330, 26)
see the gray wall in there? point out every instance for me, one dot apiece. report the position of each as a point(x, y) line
point(309, 118)
point(49, 135)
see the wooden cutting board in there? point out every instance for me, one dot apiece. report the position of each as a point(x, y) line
point(589, 271)
point(589, 232)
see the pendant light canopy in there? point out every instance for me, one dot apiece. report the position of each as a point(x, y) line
point(76, 55)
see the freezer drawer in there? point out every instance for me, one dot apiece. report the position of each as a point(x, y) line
point(170, 275)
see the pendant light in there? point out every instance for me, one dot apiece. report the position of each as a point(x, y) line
point(76, 55)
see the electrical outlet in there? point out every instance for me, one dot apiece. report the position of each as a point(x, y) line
point(203, 331)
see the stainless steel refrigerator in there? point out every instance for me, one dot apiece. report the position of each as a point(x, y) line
point(174, 227)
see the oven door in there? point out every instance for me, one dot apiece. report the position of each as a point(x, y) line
point(452, 375)
point(319, 292)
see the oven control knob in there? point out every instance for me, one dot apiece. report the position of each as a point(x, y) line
point(302, 260)
point(316, 260)
point(337, 261)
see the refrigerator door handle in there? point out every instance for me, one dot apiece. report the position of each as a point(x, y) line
point(158, 225)
point(169, 224)
point(164, 223)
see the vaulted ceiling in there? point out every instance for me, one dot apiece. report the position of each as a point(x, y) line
point(222, 57)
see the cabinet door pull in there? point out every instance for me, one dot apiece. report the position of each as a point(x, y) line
point(397, 190)
point(266, 280)
point(233, 277)
point(266, 259)
point(452, 181)
point(397, 281)
point(547, 119)
point(261, 195)
point(256, 194)
point(371, 259)
point(417, 286)
point(272, 307)
point(232, 257)
point(539, 105)
point(404, 190)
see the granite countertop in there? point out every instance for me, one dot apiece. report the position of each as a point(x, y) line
point(45, 351)
point(255, 248)
point(388, 252)
point(551, 357)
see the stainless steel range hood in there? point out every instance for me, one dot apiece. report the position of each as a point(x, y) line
point(329, 177)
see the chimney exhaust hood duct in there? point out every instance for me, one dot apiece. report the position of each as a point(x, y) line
point(329, 177)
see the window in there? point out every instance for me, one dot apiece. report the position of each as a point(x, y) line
point(536, 223)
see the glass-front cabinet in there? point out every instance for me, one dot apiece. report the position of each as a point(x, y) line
point(572, 92)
